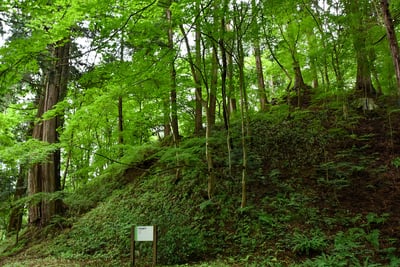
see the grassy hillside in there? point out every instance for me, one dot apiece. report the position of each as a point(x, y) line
point(322, 191)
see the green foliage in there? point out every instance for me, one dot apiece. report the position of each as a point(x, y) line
point(29, 152)
point(288, 142)
point(310, 243)
point(281, 225)
point(179, 239)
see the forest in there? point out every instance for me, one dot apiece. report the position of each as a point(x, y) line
point(252, 133)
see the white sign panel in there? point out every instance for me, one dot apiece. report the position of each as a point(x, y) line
point(144, 233)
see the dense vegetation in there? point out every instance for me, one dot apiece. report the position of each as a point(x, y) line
point(252, 133)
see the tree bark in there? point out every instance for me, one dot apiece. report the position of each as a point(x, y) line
point(391, 35)
point(259, 67)
point(209, 158)
point(34, 174)
point(364, 86)
point(260, 78)
point(45, 177)
point(231, 86)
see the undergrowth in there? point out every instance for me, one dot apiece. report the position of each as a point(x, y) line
point(301, 168)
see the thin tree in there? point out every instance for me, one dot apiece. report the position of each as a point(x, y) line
point(240, 30)
point(173, 95)
point(197, 74)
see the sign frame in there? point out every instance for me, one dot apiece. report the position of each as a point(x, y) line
point(144, 233)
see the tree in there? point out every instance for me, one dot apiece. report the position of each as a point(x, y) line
point(257, 55)
point(121, 73)
point(240, 27)
point(358, 13)
point(45, 177)
point(173, 95)
point(391, 35)
point(197, 75)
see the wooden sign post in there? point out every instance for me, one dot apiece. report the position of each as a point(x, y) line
point(144, 233)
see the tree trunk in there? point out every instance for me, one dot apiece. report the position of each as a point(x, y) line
point(364, 87)
point(299, 87)
point(198, 94)
point(173, 95)
point(209, 157)
point(45, 177)
point(391, 35)
point(358, 13)
point(224, 73)
point(260, 77)
point(196, 74)
point(244, 122)
point(213, 86)
point(34, 174)
point(231, 86)
point(302, 90)
point(120, 123)
point(243, 103)
point(120, 105)
point(259, 66)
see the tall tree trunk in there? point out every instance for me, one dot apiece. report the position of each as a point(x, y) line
point(224, 73)
point(231, 86)
point(173, 95)
point(213, 85)
point(196, 74)
point(120, 105)
point(209, 157)
point(391, 35)
point(238, 24)
point(244, 121)
point(198, 94)
point(259, 67)
point(45, 177)
point(35, 171)
point(260, 77)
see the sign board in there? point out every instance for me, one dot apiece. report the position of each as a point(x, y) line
point(144, 233)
